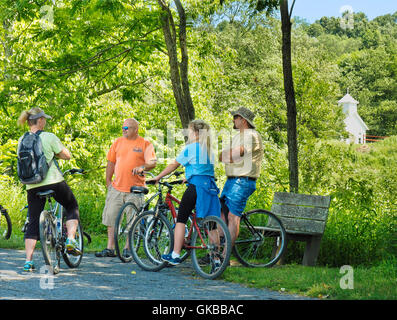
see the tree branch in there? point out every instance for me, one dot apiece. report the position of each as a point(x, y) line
point(292, 8)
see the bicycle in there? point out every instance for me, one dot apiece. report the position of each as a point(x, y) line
point(262, 239)
point(126, 216)
point(53, 233)
point(5, 224)
point(151, 236)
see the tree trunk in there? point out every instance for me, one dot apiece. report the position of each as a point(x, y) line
point(289, 97)
point(178, 71)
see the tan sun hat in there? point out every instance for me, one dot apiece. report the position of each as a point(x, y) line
point(246, 114)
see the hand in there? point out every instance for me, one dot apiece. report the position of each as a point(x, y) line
point(155, 179)
point(138, 170)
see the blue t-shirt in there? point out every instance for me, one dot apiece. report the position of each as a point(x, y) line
point(196, 161)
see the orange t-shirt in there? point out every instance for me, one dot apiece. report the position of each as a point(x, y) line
point(127, 155)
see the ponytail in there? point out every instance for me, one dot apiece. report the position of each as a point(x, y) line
point(25, 117)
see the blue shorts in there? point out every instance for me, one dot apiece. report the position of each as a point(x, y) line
point(236, 192)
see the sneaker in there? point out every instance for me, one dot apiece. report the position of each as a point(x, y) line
point(72, 247)
point(168, 258)
point(105, 253)
point(29, 266)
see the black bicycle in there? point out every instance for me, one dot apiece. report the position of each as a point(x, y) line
point(5, 223)
point(127, 215)
point(262, 239)
point(53, 232)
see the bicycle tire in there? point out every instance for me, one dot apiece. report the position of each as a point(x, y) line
point(71, 260)
point(6, 226)
point(144, 248)
point(185, 252)
point(262, 239)
point(48, 241)
point(124, 221)
point(212, 230)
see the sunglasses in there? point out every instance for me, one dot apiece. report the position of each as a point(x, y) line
point(125, 128)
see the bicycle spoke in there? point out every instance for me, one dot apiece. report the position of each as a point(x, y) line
point(123, 225)
point(261, 240)
point(211, 248)
point(149, 238)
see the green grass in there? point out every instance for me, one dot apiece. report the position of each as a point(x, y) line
point(375, 283)
point(379, 282)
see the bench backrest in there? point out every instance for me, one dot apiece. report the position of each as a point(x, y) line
point(301, 213)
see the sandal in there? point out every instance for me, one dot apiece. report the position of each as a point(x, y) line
point(105, 253)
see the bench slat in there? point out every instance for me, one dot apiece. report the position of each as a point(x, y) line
point(311, 213)
point(302, 199)
point(303, 226)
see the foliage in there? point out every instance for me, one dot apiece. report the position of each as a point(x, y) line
point(100, 62)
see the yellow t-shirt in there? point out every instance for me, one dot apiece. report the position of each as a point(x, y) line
point(127, 155)
point(250, 165)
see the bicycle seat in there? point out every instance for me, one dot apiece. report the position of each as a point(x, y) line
point(45, 194)
point(143, 190)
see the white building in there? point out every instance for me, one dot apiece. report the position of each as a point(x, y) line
point(354, 124)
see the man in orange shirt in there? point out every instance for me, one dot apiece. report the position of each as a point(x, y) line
point(128, 157)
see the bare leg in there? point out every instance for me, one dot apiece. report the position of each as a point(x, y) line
point(30, 244)
point(179, 237)
point(234, 227)
point(71, 226)
point(111, 238)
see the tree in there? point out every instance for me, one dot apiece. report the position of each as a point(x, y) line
point(178, 70)
point(286, 13)
point(289, 95)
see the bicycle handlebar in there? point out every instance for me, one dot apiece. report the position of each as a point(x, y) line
point(74, 171)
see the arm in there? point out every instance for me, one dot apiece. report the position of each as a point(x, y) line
point(170, 168)
point(231, 155)
point(109, 172)
point(146, 167)
point(150, 161)
point(64, 154)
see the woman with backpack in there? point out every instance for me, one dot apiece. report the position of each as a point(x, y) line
point(52, 179)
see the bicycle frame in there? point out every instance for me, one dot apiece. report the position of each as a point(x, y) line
point(252, 229)
point(57, 214)
point(169, 199)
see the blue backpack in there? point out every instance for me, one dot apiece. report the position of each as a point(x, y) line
point(32, 166)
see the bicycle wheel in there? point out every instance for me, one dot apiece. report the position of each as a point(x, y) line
point(71, 260)
point(5, 224)
point(123, 224)
point(211, 247)
point(150, 237)
point(185, 253)
point(261, 241)
point(48, 240)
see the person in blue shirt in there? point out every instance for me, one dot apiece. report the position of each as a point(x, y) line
point(202, 191)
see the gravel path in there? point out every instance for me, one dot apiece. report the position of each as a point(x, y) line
point(110, 279)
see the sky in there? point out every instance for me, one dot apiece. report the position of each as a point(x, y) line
point(312, 10)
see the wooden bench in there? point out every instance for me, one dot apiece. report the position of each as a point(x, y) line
point(304, 218)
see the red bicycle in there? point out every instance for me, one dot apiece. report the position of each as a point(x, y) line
point(207, 240)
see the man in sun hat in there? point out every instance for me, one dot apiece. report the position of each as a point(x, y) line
point(242, 161)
